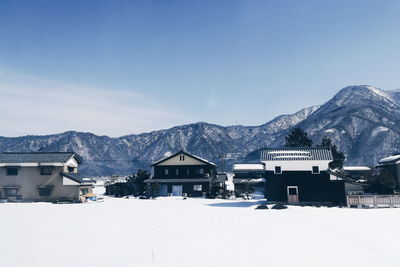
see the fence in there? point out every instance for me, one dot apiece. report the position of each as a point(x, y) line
point(373, 200)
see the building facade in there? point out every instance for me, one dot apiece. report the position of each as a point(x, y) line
point(42, 176)
point(391, 164)
point(296, 175)
point(249, 179)
point(183, 174)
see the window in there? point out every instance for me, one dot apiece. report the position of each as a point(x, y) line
point(200, 171)
point(292, 191)
point(10, 192)
point(187, 172)
point(278, 170)
point(182, 157)
point(45, 191)
point(315, 169)
point(177, 172)
point(197, 187)
point(45, 170)
point(12, 171)
point(166, 171)
point(71, 169)
point(84, 191)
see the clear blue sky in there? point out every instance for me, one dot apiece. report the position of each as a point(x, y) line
point(120, 67)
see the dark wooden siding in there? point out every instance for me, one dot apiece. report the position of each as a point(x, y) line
point(185, 171)
point(188, 188)
point(311, 187)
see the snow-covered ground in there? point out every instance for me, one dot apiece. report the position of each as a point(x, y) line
point(195, 232)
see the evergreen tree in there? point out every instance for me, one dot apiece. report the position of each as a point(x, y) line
point(338, 157)
point(298, 138)
point(383, 183)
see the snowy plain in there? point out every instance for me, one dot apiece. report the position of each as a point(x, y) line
point(195, 232)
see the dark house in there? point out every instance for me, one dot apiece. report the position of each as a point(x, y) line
point(391, 164)
point(249, 179)
point(183, 174)
point(296, 175)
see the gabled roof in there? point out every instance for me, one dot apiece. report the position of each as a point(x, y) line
point(77, 177)
point(187, 154)
point(390, 159)
point(38, 157)
point(296, 154)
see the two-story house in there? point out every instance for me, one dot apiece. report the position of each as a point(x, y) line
point(183, 174)
point(42, 176)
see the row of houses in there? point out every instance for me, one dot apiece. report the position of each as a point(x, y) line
point(283, 174)
point(290, 175)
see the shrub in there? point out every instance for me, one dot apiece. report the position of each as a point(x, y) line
point(262, 207)
point(279, 206)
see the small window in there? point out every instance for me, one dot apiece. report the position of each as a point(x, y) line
point(45, 170)
point(12, 171)
point(177, 172)
point(292, 191)
point(71, 169)
point(200, 171)
point(10, 192)
point(182, 157)
point(166, 171)
point(197, 187)
point(315, 169)
point(278, 169)
point(45, 191)
point(84, 191)
point(187, 172)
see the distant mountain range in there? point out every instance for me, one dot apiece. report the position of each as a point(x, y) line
point(363, 121)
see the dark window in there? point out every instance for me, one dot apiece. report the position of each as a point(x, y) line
point(166, 172)
point(84, 191)
point(12, 171)
point(187, 172)
point(45, 170)
point(200, 171)
point(71, 169)
point(182, 157)
point(315, 169)
point(292, 191)
point(278, 169)
point(10, 192)
point(177, 172)
point(45, 191)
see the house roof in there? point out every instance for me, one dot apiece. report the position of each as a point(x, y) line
point(186, 153)
point(37, 157)
point(77, 177)
point(356, 168)
point(390, 159)
point(248, 167)
point(296, 154)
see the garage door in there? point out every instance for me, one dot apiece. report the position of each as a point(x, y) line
point(177, 190)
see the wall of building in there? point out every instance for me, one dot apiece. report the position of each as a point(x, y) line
point(29, 179)
point(186, 171)
point(311, 187)
point(296, 165)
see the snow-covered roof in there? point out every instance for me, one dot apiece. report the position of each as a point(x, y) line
point(356, 168)
point(390, 159)
point(298, 153)
point(248, 167)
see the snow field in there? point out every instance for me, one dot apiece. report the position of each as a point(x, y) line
point(195, 232)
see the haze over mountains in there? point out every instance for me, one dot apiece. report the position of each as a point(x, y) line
point(363, 121)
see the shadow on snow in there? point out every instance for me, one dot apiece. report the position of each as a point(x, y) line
point(237, 204)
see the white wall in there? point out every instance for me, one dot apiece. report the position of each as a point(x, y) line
point(297, 165)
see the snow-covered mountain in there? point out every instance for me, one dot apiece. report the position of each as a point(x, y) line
point(362, 120)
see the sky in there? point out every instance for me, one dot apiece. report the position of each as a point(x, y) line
point(126, 67)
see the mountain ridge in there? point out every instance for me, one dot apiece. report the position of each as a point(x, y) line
point(362, 120)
